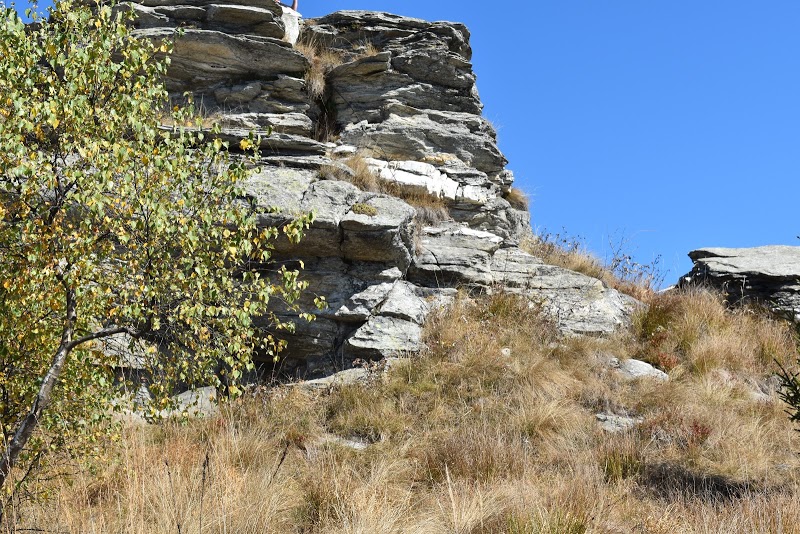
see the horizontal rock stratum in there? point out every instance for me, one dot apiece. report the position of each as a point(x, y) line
point(399, 98)
point(768, 275)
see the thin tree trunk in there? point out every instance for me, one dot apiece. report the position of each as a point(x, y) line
point(31, 421)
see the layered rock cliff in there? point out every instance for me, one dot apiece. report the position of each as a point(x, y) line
point(394, 98)
point(767, 276)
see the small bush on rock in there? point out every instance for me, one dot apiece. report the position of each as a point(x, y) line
point(517, 198)
point(322, 60)
point(364, 209)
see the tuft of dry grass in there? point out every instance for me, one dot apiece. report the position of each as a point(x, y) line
point(566, 253)
point(367, 49)
point(322, 60)
point(491, 430)
point(517, 198)
point(431, 209)
point(694, 331)
point(636, 280)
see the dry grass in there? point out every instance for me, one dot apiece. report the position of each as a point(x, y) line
point(693, 331)
point(517, 198)
point(322, 60)
point(366, 49)
point(431, 209)
point(491, 430)
point(566, 253)
point(636, 280)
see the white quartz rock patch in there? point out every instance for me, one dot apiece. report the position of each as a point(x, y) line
point(425, 177)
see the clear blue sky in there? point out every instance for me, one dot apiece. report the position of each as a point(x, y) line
point(675, 124)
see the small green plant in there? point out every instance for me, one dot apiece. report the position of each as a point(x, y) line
point(790, 391)
point(620, 460)
point(364, 209)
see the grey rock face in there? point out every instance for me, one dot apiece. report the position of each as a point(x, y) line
point(204, 58)
point(455, 256)
point(404, 100)
point(348, 377)
point(385, 336)
point(385, 236)
point(617, 423)
point(431, 136)
point(357, 85)
point(769, 275)
point(342, 29)
point(245, 19)
point(462, 256)
point(634, 369)
point(579, 304)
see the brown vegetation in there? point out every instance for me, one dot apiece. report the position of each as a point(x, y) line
point(491, 430)
point(620, 272)
point(517, 198)
point(322, 60)
point(431, 209)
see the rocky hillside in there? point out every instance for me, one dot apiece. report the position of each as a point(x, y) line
point(373, 122)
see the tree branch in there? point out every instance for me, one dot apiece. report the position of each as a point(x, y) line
point(105, 332)
point(25, 429)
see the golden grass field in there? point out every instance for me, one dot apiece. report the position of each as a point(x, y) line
point(470, 438)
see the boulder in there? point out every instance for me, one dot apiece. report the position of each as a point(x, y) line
point(348, 377)
point(578, 303)
point(383, 337)
point(404, 301)
point(362, 305)
point(291, 22)
point(613, 423)
point(634, 369)
point(768, 275)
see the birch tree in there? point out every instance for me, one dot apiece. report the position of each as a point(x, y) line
point(111, 225)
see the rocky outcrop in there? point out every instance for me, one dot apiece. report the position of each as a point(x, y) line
point(403, 101)
point(768, 275)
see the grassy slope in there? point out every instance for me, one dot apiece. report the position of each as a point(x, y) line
point(472, 438)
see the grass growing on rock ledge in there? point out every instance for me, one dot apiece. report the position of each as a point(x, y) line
point(322, 60)
point(620, 271)
point(491, 430)
point(431, 209)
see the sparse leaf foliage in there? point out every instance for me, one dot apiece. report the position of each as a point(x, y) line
point(111, 225)
point(790, 392)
